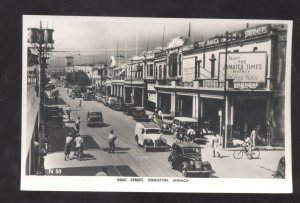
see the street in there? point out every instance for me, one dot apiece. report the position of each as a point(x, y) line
point(130, 159)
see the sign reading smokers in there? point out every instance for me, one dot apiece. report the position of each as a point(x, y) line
point(246, 69)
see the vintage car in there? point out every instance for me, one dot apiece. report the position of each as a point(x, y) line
point(87, 96)
point(280, 172)
point(128, 109)
point(98, 97)
point(117, 106)
point(104, 101)
point(148, 135)
point(94, 118)
point(111, 100)
point(186, 157)
point(139, 113)
point(164, 121)
point(186, 123)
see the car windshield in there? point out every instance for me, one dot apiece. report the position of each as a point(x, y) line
point(170, 118)
point(191, 150)
point(153, 131)
point(193, 125)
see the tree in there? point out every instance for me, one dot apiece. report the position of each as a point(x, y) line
point(78, 78)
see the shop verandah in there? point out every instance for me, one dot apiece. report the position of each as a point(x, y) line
point(245, 110)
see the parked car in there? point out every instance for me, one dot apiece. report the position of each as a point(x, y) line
point(164, 121)
point(148, 135)
point(128, 109)
point(186, 157)
point(87, 96)
point(94, 118)
point(104, 101)
point(185, 123)
point(98, 97)
point(139, 113)
point(110, 100)
point(117, 106)
point(280, 172)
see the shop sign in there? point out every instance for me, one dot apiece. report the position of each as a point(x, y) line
point(244, 68)
point(248, 33)
point(262, 30)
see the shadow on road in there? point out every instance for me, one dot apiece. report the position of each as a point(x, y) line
point(118, 150)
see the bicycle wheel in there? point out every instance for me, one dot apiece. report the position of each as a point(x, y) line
point(255, 154)
point(238, 154)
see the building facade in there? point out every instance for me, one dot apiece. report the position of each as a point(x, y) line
point(254, 93)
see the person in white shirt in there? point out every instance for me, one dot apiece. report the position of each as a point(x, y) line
point(216, 145)
point(79, 145)
point(254, 136)
point(77, 124)
point(68, 144)
point(111, 141)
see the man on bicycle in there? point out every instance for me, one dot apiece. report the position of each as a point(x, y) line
point(248, 146)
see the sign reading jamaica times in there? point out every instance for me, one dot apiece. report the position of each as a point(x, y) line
point(247, 69)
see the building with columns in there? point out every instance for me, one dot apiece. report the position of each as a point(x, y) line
point(254, 93)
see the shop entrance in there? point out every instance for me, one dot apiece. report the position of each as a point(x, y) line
point(138, 96)
point(210, 117)
point(127, 94)
point(248, 114)
point(184, 106)
point(164, 101)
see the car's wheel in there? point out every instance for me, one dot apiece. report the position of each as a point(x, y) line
point(181, 167)
point(172, 164)
point(136, 139)
point(145, 147)
point(278, 176)
point(184, 173)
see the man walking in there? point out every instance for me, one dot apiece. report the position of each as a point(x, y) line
point(77, 124)
point(79, 146)
point(79, 105)
point(216, 145)
point(68, 144)
point(68, 110)
point(254, 135)
point(111, 141)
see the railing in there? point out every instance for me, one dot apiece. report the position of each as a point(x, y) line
point(185, 84)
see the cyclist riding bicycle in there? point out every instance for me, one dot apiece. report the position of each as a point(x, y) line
point(248, 144)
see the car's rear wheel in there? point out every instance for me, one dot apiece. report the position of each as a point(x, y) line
point(278, 176)
point(184, 173)
point(136, 139)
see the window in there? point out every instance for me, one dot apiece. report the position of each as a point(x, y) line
point(173, 65)
point(212, 67)
point(179, 65)
point(160, 72)
point(198, 66)
point(151, 70)
point(165, 71)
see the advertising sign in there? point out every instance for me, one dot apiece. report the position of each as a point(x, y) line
point(244, 67)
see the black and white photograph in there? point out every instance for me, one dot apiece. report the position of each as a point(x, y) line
point(156, 105)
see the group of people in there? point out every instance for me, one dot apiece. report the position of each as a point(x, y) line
point(184, 135)
point(75, 140)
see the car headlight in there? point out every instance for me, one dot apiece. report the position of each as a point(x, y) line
point(191, 162)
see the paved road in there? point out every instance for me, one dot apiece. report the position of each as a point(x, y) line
point(131, 160)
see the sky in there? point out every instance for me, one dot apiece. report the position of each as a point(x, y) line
point(95, 35)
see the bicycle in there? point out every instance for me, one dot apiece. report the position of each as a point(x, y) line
point(239, 153)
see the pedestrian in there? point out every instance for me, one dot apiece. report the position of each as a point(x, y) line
point(68, 110)
point(79, 105)
point(79, 146)
point(216, 145)
point(68, 144)
point(254, 136)
point(111, 141)
point(77, 124)
point(102, 172)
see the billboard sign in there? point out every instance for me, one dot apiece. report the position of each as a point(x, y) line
point(244, 67)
